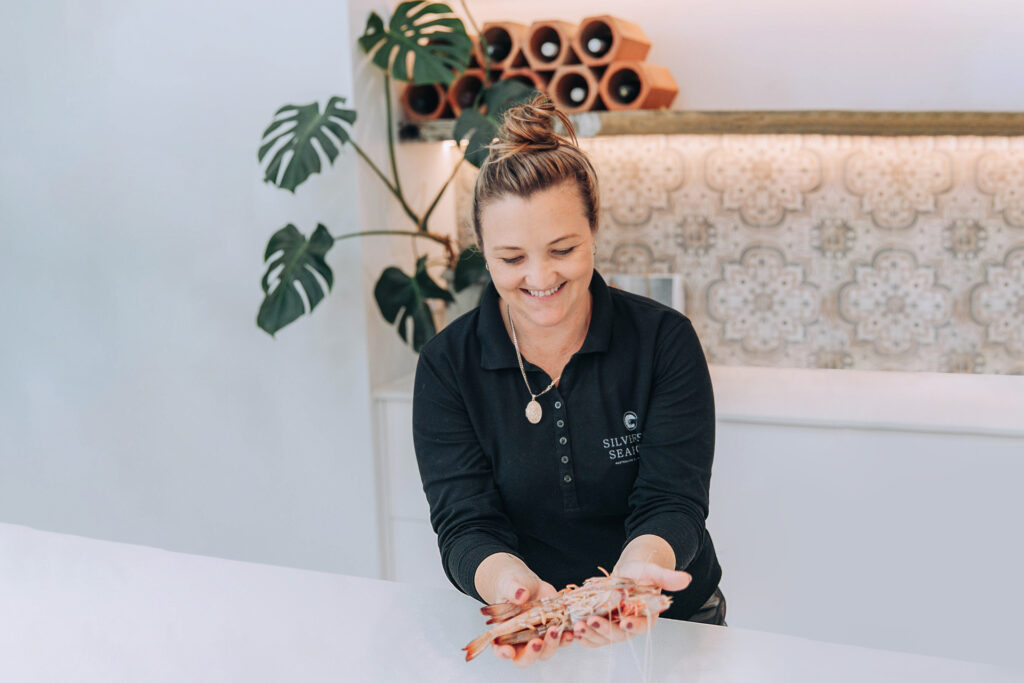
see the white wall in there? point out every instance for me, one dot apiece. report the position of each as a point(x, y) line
point(807, 54)
point(138, 400)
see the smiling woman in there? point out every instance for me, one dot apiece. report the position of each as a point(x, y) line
point(564, 425)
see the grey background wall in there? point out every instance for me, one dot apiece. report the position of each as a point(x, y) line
point(138, 400)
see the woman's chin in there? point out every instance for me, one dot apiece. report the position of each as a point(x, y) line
point(545, 317)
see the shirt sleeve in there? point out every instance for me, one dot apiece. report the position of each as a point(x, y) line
point(670, 494)
point(466, 510)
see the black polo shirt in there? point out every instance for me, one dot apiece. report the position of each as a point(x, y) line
point(624, 446)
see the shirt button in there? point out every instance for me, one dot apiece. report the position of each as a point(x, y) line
point(562, 440)
point(565, 459)
point(558, 404)
point(567, 479)
point(560, 423)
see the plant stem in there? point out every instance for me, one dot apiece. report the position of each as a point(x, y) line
point(391, 132)
point(395, 191)
point(440, 192)
point(440, 239)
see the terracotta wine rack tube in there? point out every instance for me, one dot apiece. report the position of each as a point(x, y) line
point(548, 45)
point(424, 102)
point(474, 55)
point(534, 79)
point(505, 40)
point(463, 90)
point(637, 85)
point(603, 39)
point(565, 85)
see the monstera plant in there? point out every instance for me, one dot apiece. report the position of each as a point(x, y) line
point(423, 43)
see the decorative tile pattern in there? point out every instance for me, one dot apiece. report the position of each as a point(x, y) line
point(998, 303)
point(893, 303)
point(762, 177)
point(824, 251)
point(762, 301)
point(640, 180)
point(897, 181)
point(1001, 174)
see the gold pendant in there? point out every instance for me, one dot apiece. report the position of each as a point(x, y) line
point(533, 412)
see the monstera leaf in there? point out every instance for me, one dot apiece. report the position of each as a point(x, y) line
point(310, 125)
point(470, 269)
point(425, 33)
point(481, 126)
point(404, 298)
point(298, 260)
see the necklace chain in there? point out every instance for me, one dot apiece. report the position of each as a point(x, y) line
point(519, 357)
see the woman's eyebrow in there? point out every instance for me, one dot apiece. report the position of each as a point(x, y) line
point(553, 242)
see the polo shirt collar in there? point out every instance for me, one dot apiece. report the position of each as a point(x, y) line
point(496, 349)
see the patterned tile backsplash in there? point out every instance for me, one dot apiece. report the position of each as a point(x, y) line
point(811, 251)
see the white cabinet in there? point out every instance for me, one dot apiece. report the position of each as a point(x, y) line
point(408, 544)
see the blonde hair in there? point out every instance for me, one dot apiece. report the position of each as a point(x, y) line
point(529, 156)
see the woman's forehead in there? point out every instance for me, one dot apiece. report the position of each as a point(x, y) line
point(553, 210)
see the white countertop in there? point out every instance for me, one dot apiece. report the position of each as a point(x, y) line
point(80, 609)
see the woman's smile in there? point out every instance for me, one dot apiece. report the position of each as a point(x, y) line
point(544, 293)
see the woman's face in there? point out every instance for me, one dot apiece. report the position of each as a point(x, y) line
point(540, 252)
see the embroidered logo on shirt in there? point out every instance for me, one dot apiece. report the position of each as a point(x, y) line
point(629, 420)
point(623, 449)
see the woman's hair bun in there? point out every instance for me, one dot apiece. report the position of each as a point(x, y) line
point(531, 126)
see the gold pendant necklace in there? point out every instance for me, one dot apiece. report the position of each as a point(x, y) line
point(533, 409)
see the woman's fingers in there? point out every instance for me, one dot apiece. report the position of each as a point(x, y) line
point(599, 631)
point(650, 573)
point(671, 580)
point(634, 626)
point(537, 649)
point(528, 654)
point(504, 651)
point(522, 589)
point(552, 641)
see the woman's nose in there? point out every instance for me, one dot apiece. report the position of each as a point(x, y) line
point(541, 275)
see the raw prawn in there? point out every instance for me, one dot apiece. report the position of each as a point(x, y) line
point(608, 596)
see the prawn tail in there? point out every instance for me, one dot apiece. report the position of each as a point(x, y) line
point(477, 646)
point(502, 611)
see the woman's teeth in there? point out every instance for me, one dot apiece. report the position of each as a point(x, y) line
point(544, 292)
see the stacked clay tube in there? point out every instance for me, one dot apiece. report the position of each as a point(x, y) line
point(598, 64)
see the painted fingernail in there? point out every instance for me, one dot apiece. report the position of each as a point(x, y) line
point(629, 625)
point(519, 593)
point(553, 633)
point(537, 646)
point(595, 624)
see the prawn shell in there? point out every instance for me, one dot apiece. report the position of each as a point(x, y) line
point(519, 637)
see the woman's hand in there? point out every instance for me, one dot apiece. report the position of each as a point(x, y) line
point(521, 587)
point(598, 631)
